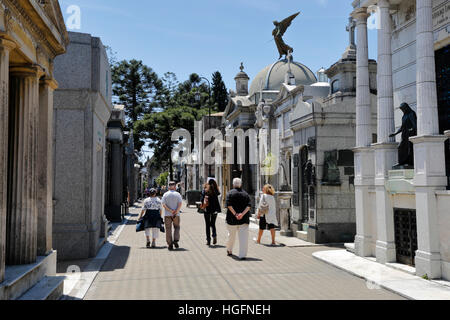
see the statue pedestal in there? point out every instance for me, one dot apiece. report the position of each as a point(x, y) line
point(400, 181)
point(284, 208)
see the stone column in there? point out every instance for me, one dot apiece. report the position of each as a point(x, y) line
point(429, 153)
point(364, 161)
point(21, 241)
point(5, 47)
point(45, 166)
point(386, 149)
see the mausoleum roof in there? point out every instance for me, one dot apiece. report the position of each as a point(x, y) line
point(273, 76)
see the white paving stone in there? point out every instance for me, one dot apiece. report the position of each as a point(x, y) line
point(379, 275)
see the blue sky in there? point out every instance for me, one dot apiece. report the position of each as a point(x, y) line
point(202, 36)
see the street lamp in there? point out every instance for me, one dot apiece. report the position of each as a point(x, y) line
point(197, 98)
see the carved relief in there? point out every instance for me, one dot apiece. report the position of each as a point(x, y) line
point(8, 20)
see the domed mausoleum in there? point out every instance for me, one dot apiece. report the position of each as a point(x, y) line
point(274, 75)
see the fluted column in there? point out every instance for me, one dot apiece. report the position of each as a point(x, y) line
point(45, 167)
point(386, 149)
point(5, 47)
point(429, 153)
point(364, 158)
point(363, 112)
point(427, 111)
point(21, 239)
point(385, 95)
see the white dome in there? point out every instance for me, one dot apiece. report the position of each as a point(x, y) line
point(273, 76)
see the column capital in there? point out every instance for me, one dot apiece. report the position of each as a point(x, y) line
point(6, 43)
point(384, 3)
point(49, 82)
point(28, 70)
point(360, 14)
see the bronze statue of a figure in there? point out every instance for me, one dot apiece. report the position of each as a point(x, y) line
point(408, 129)
point(279, 31)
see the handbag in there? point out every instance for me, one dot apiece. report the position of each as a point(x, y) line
point(161, 228)
point(140, 225)
point(264, 206)
point(205, 203)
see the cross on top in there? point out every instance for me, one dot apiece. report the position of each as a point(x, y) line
point(351, 30)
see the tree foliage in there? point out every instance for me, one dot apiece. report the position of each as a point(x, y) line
point(219, 92)
point(162, 179)
point(137, 87)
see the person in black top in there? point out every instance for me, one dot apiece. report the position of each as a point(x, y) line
point(210, 194)
point(238, 218)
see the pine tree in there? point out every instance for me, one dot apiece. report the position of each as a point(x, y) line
point(219, 92)
point(137, 87)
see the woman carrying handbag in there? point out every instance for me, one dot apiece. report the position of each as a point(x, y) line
point(267, 213)
point(210, 205)
point(151, 215)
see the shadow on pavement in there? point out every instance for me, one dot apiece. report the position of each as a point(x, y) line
point(117, 258)
point(246, 259)
point(155, 248)
point(278, 245)
point(216, 247)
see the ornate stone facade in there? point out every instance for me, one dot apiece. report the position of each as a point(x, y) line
point(410, 32)
point(31, 36)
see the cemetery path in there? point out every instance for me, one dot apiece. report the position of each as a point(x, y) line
point(198, 272)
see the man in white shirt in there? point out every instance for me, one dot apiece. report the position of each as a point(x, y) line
point(172, 202)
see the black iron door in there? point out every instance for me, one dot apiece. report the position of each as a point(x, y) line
point(296, 181)
point(304, 185)
point(443, 93)
point(405, 235)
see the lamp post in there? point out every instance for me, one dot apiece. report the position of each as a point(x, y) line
point(197, 98)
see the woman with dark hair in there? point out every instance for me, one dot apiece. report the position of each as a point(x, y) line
point(210, 196)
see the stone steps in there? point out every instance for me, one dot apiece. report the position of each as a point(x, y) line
point(49, 288)
point(19, 279)
point(350, 247)
point(302, 235)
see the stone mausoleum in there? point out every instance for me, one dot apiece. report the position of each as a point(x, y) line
point(402, 214)
point(82, 108)
point(32, 34)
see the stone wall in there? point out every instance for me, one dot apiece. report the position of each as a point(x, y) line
point(82, 107)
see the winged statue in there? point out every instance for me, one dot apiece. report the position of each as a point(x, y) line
point(279, 31)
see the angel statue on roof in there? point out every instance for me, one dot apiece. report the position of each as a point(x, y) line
point(279, 31)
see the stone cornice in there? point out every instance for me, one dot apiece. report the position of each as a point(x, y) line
point(30, 20)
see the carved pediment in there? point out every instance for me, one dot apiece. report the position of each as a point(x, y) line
point(53, 12)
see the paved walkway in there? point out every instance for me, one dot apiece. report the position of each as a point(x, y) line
point(198, 272)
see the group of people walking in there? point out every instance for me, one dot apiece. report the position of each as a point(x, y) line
point(154, 209)
point(238, 206)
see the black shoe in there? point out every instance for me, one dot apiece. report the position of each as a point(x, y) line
point(229, 253)
point(215, 240)
point(171, 247)
point(148, 244)
point(208, 242)
point(176, 244)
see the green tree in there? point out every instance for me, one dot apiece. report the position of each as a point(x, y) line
point(219, 92)
point(137, 87)
point(158, 128)
point(162, 179)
